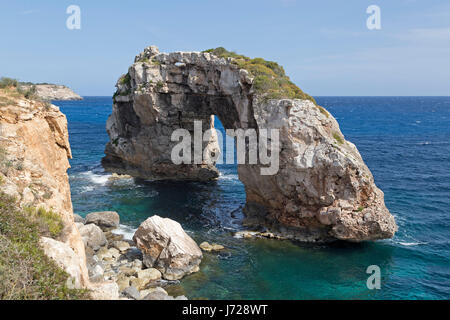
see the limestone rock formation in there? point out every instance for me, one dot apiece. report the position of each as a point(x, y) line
point(52, 91)
point(166, 247)
point(34, 152)
point(322, 191)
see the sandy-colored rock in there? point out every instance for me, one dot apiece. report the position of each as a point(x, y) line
point(92, 236)
point(104, 291)
point(151, 274)
point(139, 283)
point(205, 246)
point(34, 138)
point(145, 292)
point(166, 247)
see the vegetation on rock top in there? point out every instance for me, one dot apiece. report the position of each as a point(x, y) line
point(270, 81)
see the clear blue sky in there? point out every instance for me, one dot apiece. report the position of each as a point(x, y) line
point(324, 46)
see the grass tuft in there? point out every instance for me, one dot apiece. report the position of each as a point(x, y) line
point(338, 138)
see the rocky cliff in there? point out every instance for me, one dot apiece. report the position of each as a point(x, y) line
point(322, 191)
point(51, 92)
point(34, 156)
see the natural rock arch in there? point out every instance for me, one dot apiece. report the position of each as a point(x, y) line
point(322, 191)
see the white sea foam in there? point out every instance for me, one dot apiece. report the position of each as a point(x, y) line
point(228, 176)
point(86, 189)
point(126, 231)
point(100, 179)
point(407, 244)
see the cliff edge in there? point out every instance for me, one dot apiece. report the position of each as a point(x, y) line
point(50, 92)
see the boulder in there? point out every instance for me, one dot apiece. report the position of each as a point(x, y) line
point(122, 246)
point(65, 258)
point(106, 220)
point(139, 283)
point(131, 292)
point(123, 281)
point(92, 236)
point(146, 292)
point(166, 247)
point(104, 291)
point(96, 271)
point(157, 295)
point(150, 274)
point(78, 219)
point(160, 294)
point(128, 271)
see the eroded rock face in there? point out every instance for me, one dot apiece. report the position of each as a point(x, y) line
point(322, 191)
point(105, 219)
point(163, 92)
point(34, 153)
point(166, 247)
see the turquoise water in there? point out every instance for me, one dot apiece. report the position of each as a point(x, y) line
point(405, 141)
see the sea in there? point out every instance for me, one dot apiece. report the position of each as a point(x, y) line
point(405, 141)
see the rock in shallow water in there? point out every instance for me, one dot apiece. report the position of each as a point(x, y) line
point(166, 247)
point(205, 246)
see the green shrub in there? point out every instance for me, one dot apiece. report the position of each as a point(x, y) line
point(26, 273)
point(8, 82)
point(48, 222)
point(338, 138)
point(126, 79)
point(29, 93)
point(270, 80)
point(156, 62)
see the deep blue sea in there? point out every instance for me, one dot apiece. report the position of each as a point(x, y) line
point(405, 141)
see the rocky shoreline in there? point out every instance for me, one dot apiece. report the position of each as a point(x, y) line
point(159, 256)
